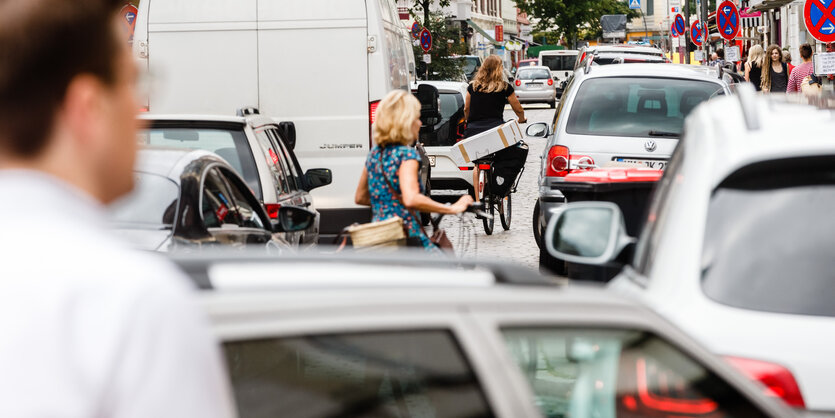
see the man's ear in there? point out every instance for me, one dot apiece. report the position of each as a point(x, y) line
point(83, 108)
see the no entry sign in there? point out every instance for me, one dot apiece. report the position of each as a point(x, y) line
point(696, 33)
point(425, 40)
point(727, 19)
point(820, 21)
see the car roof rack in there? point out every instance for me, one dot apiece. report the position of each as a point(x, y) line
point(211, 269)
point(248, 111)
point(589, 60)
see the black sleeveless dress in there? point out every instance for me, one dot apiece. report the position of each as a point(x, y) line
point(755, 75)
point(779, 81)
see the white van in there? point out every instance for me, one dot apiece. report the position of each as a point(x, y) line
point(322, 64)
point(561, 62)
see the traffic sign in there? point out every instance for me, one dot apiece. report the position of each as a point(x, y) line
point(416, 30)
point(820, 21)
point(696, 33)
point(673, 31)
point(634, 4)
point(727, 19)
point(425, 40)
point(128, 13)
point(679, 24)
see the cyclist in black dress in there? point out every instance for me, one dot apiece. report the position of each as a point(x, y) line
point(486, 97)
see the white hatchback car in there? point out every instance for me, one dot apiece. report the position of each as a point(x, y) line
point(358, 336)
point(737, 247)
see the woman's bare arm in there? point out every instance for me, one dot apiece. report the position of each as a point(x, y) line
point(467, 107)
point(517, 107)
point(747, 71)
point(414, 200)
point(362, 197)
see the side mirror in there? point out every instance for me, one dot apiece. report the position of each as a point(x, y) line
point(318, 177)
point(587, 233)
point(430, 104)
point(537, 130)
point(288, 133)
point(293, 219)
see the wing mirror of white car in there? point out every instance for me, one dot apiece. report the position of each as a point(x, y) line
point(293, 219)
point(587, 233)
point(537, 130)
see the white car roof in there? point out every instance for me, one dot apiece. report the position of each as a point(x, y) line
point(252, 120)
point(445, 86)
point(777, 126)
point(692, 72)
point(635, 49)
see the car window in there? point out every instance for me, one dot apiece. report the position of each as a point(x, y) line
point(768, 238)
point(244, 202)
point(650, 237)
point(538, 74)
point(569, 87)
point(291, 169)
point(450, 103)
point(215, 205)
point(559, 62)
point(229, 144)
point(388, 374)
point(151, 204)
point(635, 106)
point(273, 162)
point(469, 64)
point(614, 373)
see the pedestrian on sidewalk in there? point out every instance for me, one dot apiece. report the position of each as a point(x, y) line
point(718, 58)
point(90, 327)
point(389, 182)
point(787, 58)
point(775, 74)
point(754, 66)
point(801, 71)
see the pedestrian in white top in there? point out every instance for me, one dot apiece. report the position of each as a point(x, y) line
point(88, 328)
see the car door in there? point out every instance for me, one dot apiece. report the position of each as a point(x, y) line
point(254, 225)
point(218, 210)
point(610, 367)
point(296, 194)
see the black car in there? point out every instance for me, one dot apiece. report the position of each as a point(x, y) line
point(191, 199)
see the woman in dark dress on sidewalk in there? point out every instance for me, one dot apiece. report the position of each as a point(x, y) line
point(775, 75)
point(753, 68)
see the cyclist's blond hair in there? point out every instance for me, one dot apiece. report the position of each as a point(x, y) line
point(490, 77)
point(394, 118)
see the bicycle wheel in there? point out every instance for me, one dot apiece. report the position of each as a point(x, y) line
point(505, 210)
point(487, 201)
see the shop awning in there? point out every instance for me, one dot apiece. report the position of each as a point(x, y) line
point(483, 33)
point(769, 4)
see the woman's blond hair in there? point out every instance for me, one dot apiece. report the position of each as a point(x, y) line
point(755, 55)
point(394, 118)
point(490, 77)
point(765, 81)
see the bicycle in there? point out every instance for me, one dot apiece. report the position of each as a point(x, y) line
point(494, 202)
point(463, 241)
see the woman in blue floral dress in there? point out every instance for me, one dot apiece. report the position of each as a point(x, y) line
point(389, 182)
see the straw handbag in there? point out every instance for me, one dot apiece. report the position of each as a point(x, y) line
point(388, 233)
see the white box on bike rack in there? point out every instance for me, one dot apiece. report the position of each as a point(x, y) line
point(486, 143)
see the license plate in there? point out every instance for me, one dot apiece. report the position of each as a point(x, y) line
point(656, 164)
point(431, 160)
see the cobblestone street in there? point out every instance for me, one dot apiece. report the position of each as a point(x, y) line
point(517, 244)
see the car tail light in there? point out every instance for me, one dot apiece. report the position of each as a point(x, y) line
point(558, 161)
point(550, 82)
point(518, 83)
point(460, 130)
point(372, 117)
point(144, 109)
point(779, 381)
point(465, 168)
point(272, 210)
point(484, 166)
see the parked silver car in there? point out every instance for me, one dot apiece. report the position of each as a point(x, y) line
point(624, 115)
point(535, 85)
point(419, 337)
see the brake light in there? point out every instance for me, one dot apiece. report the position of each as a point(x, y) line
point(779, 381)
point(460, 130)
point(484, 166)
point(272, 210)
point(372, 117)
point(465, 168)
point(144, 109)
point(518, 83)
point(550, 82)
point(558, 161)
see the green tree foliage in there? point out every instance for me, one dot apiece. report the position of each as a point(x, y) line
point(446, 41)
point(569, 17)
point(422, 6)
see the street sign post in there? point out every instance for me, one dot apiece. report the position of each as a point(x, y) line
point(416, 30)
point(820, 20)
point(696, 33)
point(824, 63)
point(425, 40)
point(732, 54)
point(679, 24)
point(727, 20)
point(634, 4)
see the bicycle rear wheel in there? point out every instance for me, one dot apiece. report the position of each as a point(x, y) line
point(487, 201)
point(505, 211)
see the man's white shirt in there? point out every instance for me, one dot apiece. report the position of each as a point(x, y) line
point(89, 327)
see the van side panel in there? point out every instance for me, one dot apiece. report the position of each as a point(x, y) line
point(388, 68)
point(313, 71)
point(202, 55)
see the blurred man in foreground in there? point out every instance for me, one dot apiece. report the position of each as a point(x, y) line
point(87, 327)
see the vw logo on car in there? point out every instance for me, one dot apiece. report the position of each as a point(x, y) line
point(650, 145)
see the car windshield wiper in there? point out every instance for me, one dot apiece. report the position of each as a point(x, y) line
point(664, 133)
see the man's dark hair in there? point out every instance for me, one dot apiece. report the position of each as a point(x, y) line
point(720, 53)
point(44, 45)
point(806, 51)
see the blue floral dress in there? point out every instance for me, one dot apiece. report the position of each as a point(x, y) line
point(383, 204)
